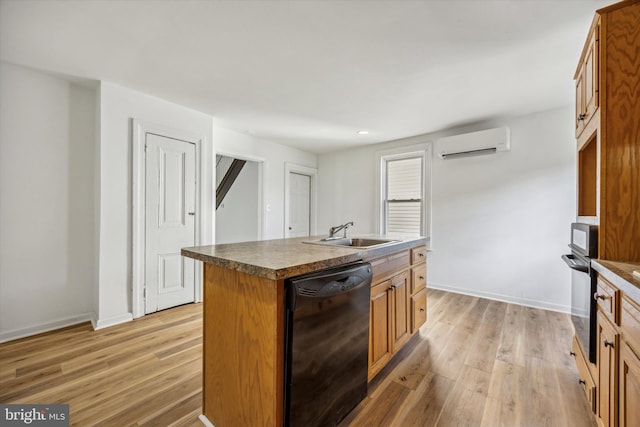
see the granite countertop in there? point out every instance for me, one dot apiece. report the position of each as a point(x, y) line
point(284, 258)
point(621, 275)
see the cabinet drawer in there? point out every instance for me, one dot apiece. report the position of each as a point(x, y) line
point(418, 278)
point(630, 322)
point(418, 310)
point(607, 297)
point(418, 254)
point(388, 266)
point(585, 378)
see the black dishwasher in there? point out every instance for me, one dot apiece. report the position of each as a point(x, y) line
point(326, 344)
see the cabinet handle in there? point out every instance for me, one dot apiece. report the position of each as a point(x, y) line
point(597, 296)
point(571, 353)
point(422, 309)
point(421, 277)
point(581, 381)
point(420, 254)
point(393, 287)
point(581, 117)
point(608, 344)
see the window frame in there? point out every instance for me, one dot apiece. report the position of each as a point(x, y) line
point(423, 151)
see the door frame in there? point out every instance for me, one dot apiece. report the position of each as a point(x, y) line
point(140, 129)
point(311, 173)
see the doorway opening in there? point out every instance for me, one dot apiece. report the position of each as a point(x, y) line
point(238, 199)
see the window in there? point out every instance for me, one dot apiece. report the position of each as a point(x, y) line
point(404, 195)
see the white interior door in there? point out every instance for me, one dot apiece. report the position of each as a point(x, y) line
point(299, 204)
point(170, 206)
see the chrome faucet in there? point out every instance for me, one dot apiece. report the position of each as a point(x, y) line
point(334, 230)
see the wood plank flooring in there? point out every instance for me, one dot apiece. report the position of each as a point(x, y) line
point(482, 363)
point(475, 362)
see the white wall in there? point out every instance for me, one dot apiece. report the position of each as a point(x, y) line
point(500, 222)
point(65, 201)
point(47, 240)
point(118, 105)
point(347, 189)
point(273, 157)
point(66, 195)
point(237, 218)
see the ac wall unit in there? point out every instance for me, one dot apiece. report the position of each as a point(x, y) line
point(473, 144)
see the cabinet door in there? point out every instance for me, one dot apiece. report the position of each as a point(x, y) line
point(401, 304)
point(608, 341)
point(591, 77)
point(380, 345)
point(629, 387)
point(580, 102)
point(587, 87)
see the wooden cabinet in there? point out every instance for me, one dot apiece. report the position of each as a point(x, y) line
point(607, 120)
point(606, 124)
point(587, 80)
point(629, 387)
point(579, 78)
point(389, 327)
point(608, 344)
point(380, 346)
point(618, 363)
point(630, 321)
point(629, 376)
point(400, 298)
point(418, 304)
point(398, 304)
point(418, 296)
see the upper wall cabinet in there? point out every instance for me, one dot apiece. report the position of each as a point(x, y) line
point(608, 130)
point(587, 79)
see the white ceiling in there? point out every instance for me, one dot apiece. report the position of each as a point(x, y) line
point(310, 74)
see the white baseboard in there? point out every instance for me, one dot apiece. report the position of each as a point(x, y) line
point(112, 321)
point(204, 420)
point(46, 327)
point(504, 298)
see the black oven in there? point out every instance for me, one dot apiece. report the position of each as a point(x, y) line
point(584, 246)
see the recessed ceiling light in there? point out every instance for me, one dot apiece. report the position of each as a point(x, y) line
point(363, 132)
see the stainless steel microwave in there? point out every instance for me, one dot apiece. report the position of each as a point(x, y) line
point(584, 239)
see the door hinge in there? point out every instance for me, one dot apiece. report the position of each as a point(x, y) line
point(144, 293)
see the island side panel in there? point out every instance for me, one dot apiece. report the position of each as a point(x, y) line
point(243, 348)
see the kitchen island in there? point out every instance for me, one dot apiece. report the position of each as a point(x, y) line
point(244, 315)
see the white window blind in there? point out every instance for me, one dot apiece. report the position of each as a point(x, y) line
point(404, 195)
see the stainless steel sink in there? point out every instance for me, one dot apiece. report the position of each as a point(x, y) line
point(356, 242)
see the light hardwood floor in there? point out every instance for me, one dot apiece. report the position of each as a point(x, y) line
point(474, 363)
